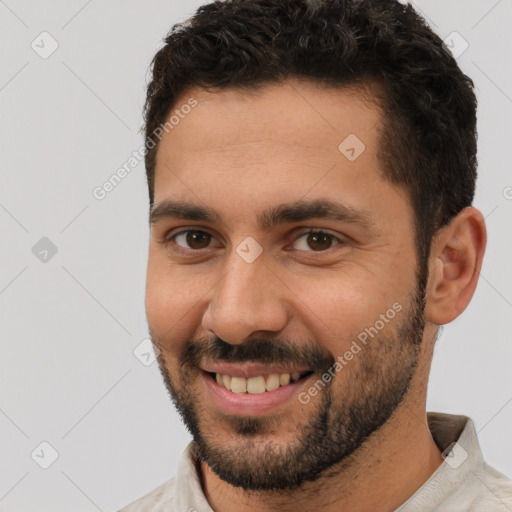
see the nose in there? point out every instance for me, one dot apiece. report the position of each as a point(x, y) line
point(248, 299)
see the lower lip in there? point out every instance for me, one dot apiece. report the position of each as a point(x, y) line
point(247, 404)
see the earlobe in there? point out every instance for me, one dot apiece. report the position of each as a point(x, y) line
point(455, 262)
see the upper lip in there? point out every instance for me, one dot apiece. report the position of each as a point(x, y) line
point(248, 370)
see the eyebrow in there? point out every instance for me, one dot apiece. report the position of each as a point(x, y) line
point(297, 211)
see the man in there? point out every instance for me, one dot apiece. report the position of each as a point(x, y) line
point(311, 169)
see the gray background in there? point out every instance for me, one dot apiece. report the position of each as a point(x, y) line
point(70, 324)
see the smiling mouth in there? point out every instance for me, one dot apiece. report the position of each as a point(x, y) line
point(257, 385)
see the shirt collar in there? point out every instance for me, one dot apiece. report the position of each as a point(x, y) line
point(456, 437)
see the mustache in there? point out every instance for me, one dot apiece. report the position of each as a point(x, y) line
point(259, 350)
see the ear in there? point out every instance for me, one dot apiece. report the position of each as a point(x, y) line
point(454, 266)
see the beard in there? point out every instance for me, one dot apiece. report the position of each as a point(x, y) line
point(337, 424)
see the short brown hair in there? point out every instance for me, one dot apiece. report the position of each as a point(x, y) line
point(428, 144)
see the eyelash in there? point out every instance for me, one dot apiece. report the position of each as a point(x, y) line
point(168, 239)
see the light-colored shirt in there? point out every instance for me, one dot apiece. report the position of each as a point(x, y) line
point(464, 482)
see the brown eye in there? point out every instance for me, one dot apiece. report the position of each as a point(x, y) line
point(319, 241)
point(193, 239)
point(315, 241)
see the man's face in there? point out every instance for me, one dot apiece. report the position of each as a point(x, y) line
point(245, 298)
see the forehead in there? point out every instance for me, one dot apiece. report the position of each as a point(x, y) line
point(298, 121)
point(295, 112)
point(241, 150)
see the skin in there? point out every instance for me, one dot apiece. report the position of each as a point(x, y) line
point(240, 152)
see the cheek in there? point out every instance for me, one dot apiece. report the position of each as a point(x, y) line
point(156, 298)
point(166, 293)
point(338, 307)
point(169, 308)
point(175, 300)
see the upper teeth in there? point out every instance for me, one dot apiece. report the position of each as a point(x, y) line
point(255, 385)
